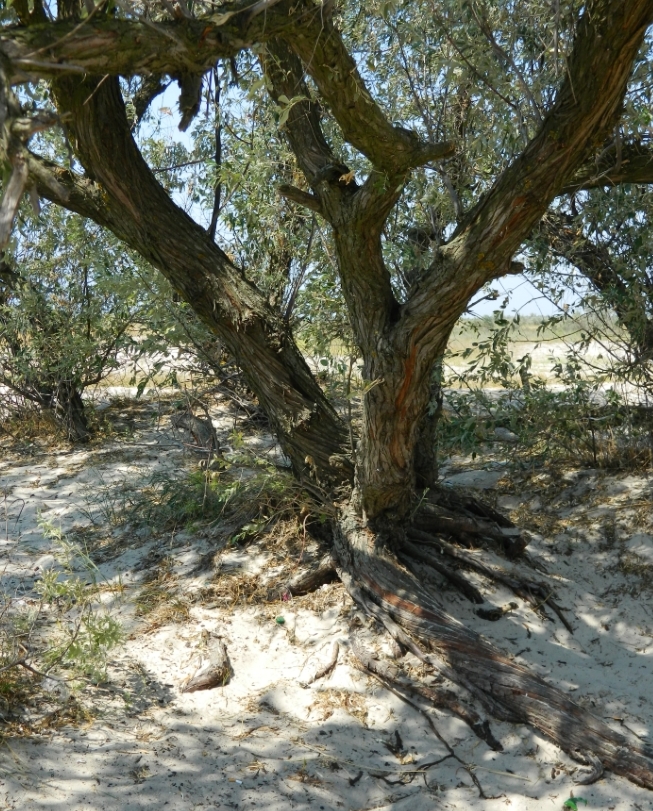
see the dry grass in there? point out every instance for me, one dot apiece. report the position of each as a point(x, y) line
point(72, 712)
point(329, 700)
point(288, 547)
point(18, 689)
point(31, 426)
point(635, 566)
point(159, 600)
point(303, 776)
point(269, 593)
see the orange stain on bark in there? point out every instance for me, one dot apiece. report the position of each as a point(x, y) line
point(408, 378)
point(512, 222)
point(395, 444)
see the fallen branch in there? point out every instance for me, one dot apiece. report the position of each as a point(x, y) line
point(326, 668)
point(215, 672)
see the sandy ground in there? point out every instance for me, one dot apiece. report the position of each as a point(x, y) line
point(266, 741)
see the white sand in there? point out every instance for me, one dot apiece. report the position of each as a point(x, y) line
point(263, 740)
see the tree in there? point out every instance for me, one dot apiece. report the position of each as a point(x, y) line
point(609, 242)
point(552, 91)
point(68, 307)
point(75, 307)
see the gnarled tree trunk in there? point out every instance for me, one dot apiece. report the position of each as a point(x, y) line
point(138, 210)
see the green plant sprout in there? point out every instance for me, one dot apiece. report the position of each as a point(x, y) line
point(572, 803)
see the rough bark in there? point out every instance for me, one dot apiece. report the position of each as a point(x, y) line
point(69, 411)
point(127, 198)
point(444, 699)
point(305, 582)
point(105, 45)
point(392, 150)
point(62, 399)
point(356, 213)
point(400, 344)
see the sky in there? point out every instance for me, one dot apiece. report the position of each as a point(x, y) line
point(524, 299)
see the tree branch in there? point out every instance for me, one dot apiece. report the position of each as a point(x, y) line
point(16, 129)
point(303, 127)
point(217, 155)
point(304, 198)
point(588, 102)
point(390, 148)
point(356, 213)
point(139, 46)
point(68, 189)
point(139, 211)
point(608, 38)
point(633, 165)
point(150, 88)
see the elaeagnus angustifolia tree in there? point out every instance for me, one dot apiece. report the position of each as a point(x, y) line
point(426, 143)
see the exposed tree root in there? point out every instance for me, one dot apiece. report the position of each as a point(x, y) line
point(535, 593)
point(427, 556)
point(306, 581)
point(590, 759)
point(388, 677)
point(437, 696)
point(215, 671)
point(505, 689)
point(446, 511)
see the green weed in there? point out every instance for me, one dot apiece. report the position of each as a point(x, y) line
point(57, 633)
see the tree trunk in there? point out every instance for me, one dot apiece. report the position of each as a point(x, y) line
point(70, 413)
point(139, 211)
point(393, 411)
point(62, 399)
point(396, 454)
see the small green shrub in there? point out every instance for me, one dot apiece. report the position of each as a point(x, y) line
point(574, 425)
point(58, 633)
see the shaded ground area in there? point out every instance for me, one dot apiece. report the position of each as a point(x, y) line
point(267, 739)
